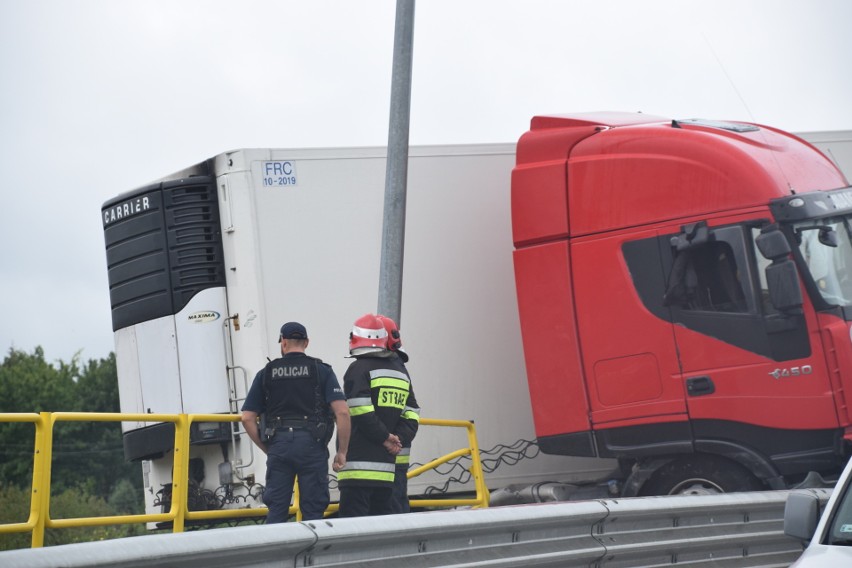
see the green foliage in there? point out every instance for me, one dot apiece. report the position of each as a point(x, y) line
point(15, 505)
point(74, 504)
point(125, 498)
point(89, 475)
point(14, 508)
point(28, 383)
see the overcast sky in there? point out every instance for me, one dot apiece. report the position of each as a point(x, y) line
point(100, 97)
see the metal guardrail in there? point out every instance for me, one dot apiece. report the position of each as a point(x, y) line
point(39, 517)
point(722, 531)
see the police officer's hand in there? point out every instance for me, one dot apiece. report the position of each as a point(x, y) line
point(339, 461)
point(393, 444)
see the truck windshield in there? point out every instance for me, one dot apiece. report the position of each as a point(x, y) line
point(826, 246)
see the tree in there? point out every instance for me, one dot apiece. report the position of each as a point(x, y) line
point(88, 466)
point(27, 384)
point(90, 454)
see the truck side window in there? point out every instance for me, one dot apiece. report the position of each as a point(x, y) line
point(715, 286)
point(711, 280)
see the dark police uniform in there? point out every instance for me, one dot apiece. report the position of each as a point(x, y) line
point(380, 399)
point(293, 395)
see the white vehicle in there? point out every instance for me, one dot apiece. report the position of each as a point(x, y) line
point(830, 539)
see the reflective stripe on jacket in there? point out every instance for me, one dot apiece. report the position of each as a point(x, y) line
point(367, 471)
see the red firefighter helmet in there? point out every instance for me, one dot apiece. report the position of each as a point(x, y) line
point(368, 336)
point(394, 339)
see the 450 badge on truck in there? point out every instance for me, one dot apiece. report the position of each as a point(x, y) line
point(792, 372)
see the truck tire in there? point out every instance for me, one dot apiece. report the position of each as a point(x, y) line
point(700, 474)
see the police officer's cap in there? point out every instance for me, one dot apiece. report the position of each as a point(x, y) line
point(293, 330)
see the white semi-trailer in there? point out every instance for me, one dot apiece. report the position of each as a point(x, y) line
point(208, 263)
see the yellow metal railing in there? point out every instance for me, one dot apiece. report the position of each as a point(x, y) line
point(39, 517)
point(482, 495)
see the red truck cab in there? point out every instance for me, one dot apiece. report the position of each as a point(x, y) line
point(685, 291)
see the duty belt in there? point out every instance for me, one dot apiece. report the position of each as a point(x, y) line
point(280, 423)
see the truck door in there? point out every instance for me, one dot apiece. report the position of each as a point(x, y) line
point(754, 378)
point(636, 398)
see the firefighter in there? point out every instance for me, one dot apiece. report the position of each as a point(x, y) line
point(412, 413)
point(377, 388)
point(298, 399)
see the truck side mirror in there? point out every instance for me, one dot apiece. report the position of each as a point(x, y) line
point(772, 243)
point(828, 236)
point(801, 515)
point(782, 279)
point(781, 276)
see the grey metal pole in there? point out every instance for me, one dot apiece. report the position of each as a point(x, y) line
point(393, 223)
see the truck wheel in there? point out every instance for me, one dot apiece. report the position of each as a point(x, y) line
point(701, 474)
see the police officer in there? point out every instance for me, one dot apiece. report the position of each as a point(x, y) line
point(377, 388)
point(298, 399)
